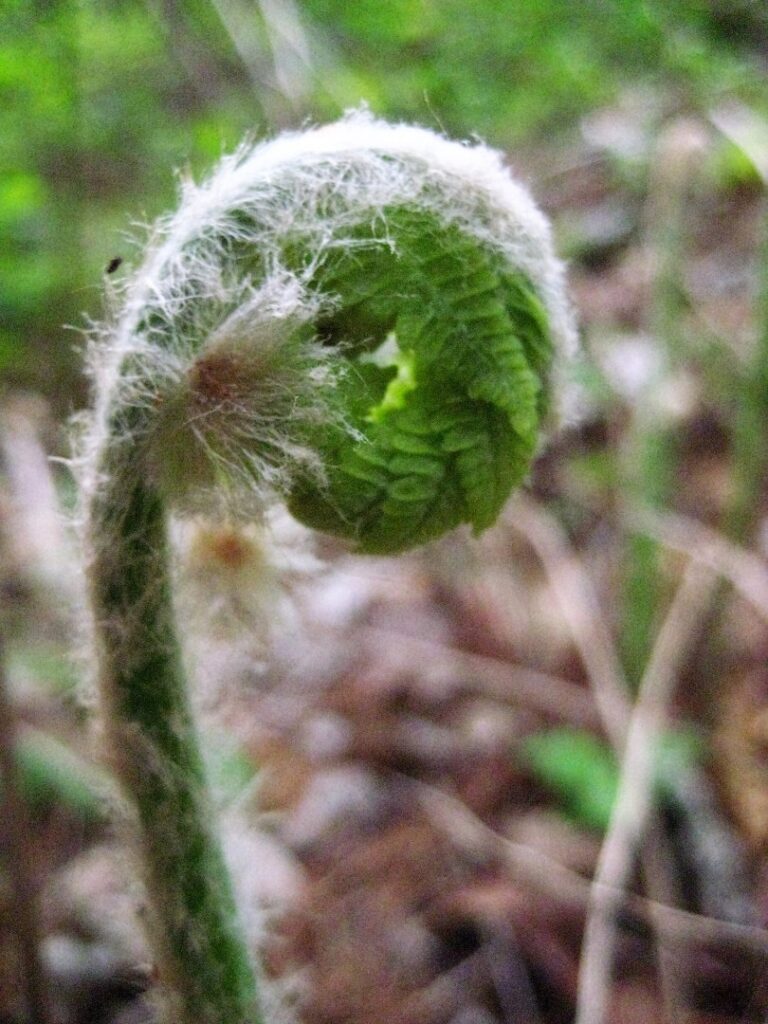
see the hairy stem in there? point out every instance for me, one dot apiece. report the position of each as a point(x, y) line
point(202, 960)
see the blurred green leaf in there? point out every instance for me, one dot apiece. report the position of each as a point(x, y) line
point(582, 772)
point(579, 769)
point(230, 771)
point(51, 773)
point(45, 667)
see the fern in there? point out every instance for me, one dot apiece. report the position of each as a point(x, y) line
point(359, 320)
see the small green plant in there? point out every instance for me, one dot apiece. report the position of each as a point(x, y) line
point(583, 773)
point(357, 320)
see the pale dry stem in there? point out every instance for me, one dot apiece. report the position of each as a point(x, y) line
point(569, 889)
point(634, 798)
point(551, 695)
point(580, 608)
point(626, 731)
point(746, 572)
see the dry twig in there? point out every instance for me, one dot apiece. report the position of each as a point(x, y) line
point(633, 802)
point(745, 571)
point(549, 694)
point(570, 889)
point(579, 605)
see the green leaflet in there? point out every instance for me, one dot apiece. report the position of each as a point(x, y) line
point(579, 769)
point(448, 425)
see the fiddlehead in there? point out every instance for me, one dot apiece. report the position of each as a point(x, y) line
point(359, 320)
point(447, 382)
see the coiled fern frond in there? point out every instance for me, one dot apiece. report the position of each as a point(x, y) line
point(361, 318)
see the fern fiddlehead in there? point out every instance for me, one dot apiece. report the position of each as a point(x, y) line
point(360, 320)
point(447, 393)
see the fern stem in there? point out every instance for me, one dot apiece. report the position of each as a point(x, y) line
point(203, 964)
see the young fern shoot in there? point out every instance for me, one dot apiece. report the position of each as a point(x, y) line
point(359, 320)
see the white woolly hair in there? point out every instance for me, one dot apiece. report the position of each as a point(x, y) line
point(192, 310)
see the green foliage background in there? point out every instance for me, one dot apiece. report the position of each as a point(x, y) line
point(101, 101)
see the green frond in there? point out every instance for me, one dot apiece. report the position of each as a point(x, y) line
point(450, 424)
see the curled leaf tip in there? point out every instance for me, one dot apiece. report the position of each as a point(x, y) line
point(363, 318)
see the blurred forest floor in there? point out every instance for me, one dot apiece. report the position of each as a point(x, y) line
point(418, 759)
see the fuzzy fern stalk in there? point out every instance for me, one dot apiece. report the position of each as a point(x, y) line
point(358, 320)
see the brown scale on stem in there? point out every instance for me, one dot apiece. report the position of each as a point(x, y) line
point(216, 378)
